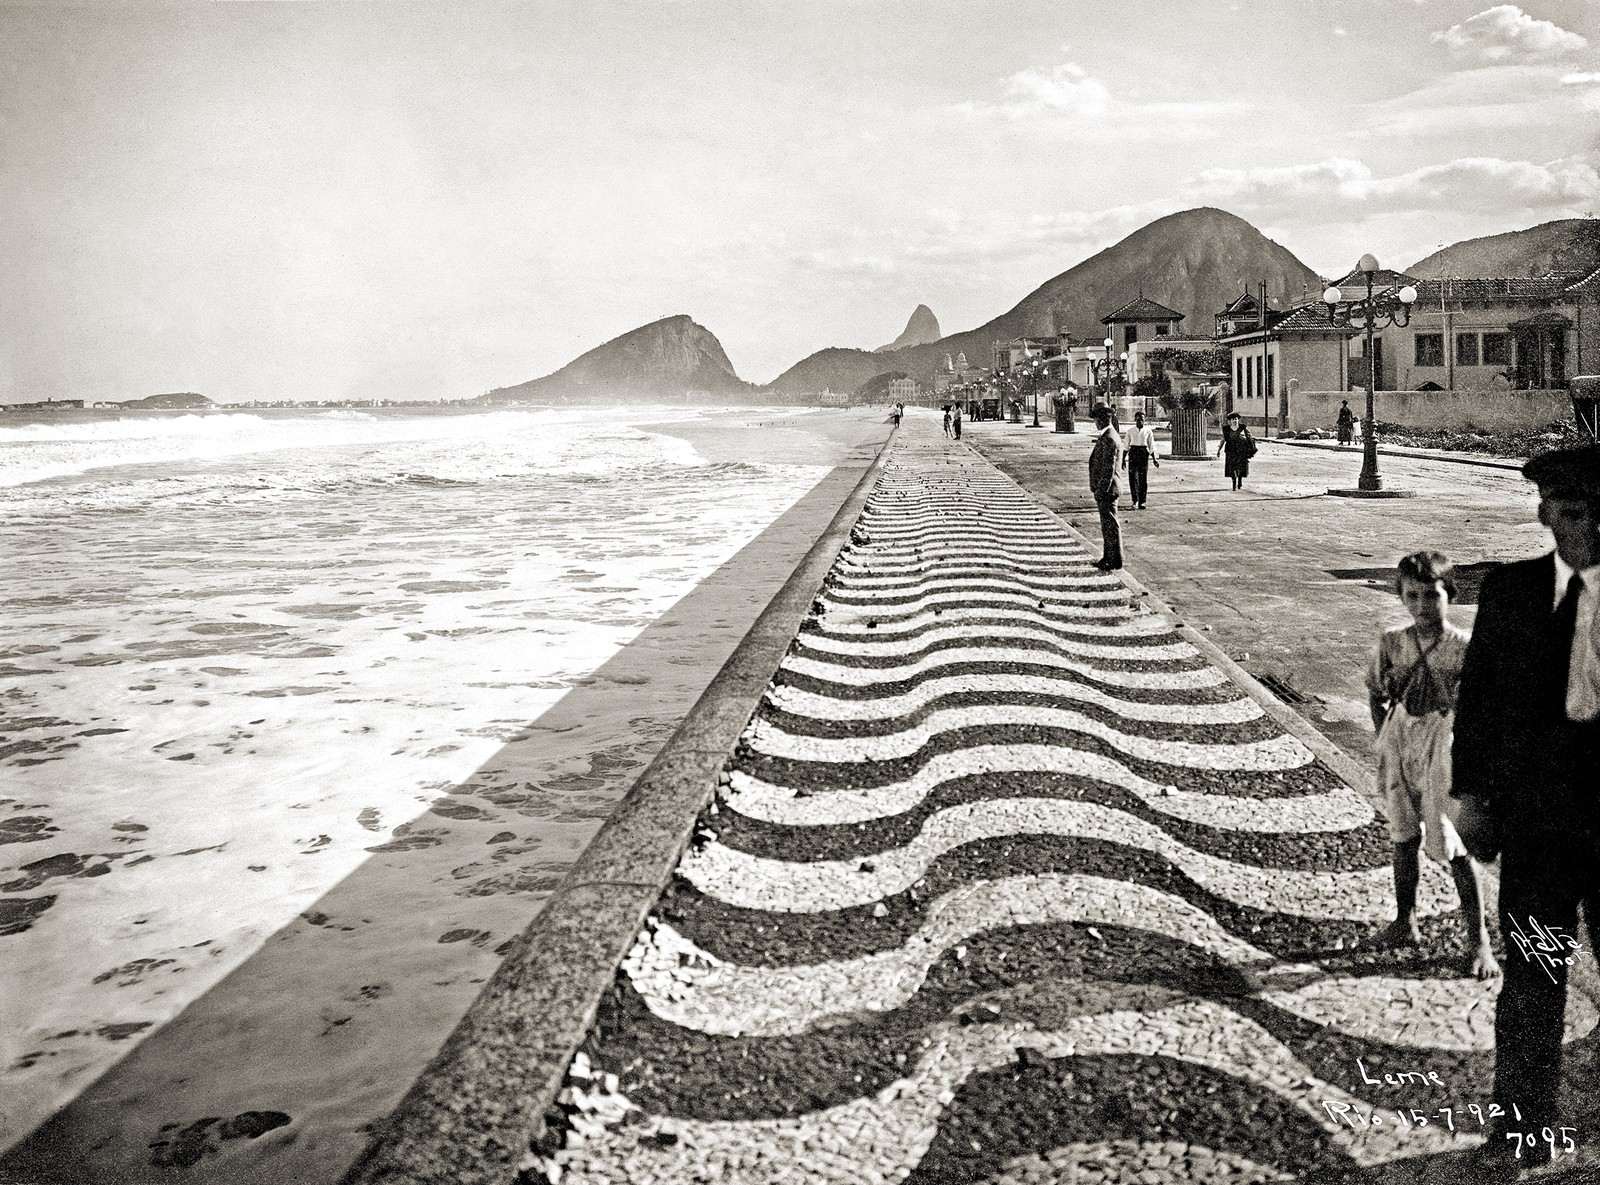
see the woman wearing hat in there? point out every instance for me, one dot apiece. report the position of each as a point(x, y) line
point(1239, 446)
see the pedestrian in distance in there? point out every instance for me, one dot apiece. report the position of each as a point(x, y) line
point(1138, 458)
point(1527, 745)
point(1346, 423)
point(955, 421)
point(1412, 681)
point(947, 419)
point(1103, 465)
point(1239, 446)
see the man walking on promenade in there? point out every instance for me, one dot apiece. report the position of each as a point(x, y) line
point(1103, 484)
point(1527, 745)
point(955, 421)
point(1137, 460)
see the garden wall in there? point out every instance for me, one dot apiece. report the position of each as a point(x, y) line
point(1501, 410)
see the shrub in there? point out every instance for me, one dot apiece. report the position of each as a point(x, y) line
point(1197, 399)
point(1152, 386)
point(1217, 359)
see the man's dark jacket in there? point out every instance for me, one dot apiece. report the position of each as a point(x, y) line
point(1103, 467)
point(1512, 699)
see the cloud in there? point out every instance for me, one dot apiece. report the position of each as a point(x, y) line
point(1340, 188)
point(1496, 107)
point(1070, 100)
point(1505, 34)
point(1068, 89)
point(947, 243)
point(1580, 79)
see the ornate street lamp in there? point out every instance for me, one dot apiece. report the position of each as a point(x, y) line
point(1390, 310)
point(1036, 381)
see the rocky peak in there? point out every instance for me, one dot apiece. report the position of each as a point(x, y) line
point(919, 331)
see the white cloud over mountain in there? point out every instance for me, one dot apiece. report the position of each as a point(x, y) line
point(1341, 188)
point(1505, 34)
point(1072, 101)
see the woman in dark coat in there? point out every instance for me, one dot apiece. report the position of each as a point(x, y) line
point(1239, 446)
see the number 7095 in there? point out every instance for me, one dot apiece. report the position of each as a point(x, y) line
point(1545, 1135)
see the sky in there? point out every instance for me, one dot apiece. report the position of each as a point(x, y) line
point(429, 200)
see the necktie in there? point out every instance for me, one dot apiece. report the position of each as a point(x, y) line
point(1562, 626)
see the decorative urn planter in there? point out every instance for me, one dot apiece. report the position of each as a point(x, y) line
point(1189, 434)
point(1066, 413)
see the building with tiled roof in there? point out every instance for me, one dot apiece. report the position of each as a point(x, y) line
point(1353, 286)
point(1124, 326)
point(1242, 312)
point(1305, 348)
point(1491, 333)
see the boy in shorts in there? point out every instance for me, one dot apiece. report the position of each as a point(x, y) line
point(1412, 683)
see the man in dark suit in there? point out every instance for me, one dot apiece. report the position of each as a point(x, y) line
point(1103, 462)
point(1527, 744)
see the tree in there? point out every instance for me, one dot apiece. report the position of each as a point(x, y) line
point(1152, 386)
point(1208, 361)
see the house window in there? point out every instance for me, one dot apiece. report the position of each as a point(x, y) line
point(1466, 349)
point(1270, 387)
point(1129, 336)
point(1430, 349)
point(1238, 379)
point(1161, 331)
point(1497, 349)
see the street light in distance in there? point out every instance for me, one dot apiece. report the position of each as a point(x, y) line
point(1389, 309)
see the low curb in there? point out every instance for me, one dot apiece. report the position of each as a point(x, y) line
point(1406, 454)
point(471, 1117)
point(1343, 493)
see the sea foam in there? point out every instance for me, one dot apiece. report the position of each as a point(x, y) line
point(247, 652)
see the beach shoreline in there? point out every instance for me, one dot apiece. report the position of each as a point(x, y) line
point(336, 1012)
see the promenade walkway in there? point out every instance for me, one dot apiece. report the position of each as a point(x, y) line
point(1007, 881)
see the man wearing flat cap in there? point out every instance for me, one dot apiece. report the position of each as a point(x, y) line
point(1527, 771)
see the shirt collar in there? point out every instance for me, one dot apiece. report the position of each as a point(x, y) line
point(1565, 572)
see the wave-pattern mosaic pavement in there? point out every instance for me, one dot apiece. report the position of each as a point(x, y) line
point(1005, 882)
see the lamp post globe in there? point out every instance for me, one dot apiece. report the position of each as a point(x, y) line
point(1396, 313)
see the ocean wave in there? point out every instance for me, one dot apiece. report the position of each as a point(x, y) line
point(133, 428)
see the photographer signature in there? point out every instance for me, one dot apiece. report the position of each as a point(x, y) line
point(1549, 946)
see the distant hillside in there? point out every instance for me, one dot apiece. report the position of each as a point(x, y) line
point(1195, 261)
point(1568, 244)
point(834, 369)
point(171, 400)
point(876, 389)
point(662, 360)
point(919, 331)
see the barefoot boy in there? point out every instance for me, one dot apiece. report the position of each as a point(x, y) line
point(1412, 682)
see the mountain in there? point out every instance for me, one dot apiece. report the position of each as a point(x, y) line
point(919, 331)
point(833, 369)
point(876, 389)
point(1566, 245)
point(665, 359)
point(171, 400)
point(1195, 261)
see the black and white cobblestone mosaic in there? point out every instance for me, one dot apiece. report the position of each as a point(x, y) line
point(1005, 883)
